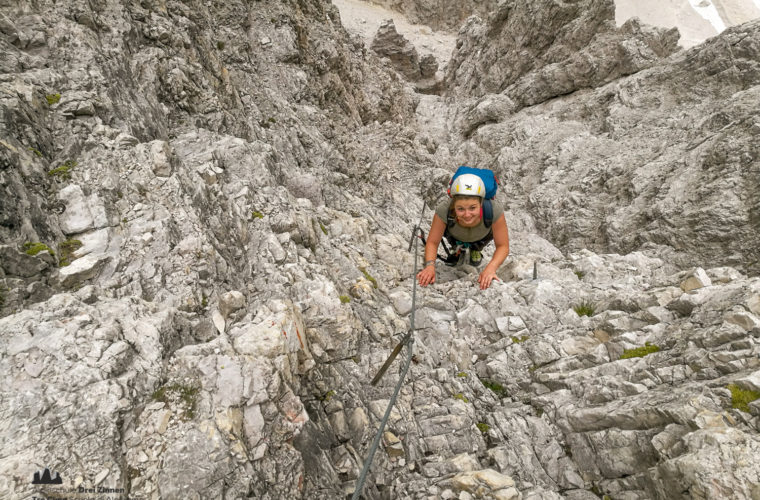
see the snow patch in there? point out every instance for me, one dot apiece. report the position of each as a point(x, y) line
point(707, 10)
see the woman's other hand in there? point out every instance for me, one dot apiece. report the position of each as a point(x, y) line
point(426, 276)
point(486, 277)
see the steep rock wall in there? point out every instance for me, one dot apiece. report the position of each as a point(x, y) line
point(614, 163)
point(439, 14)
point(243, 179)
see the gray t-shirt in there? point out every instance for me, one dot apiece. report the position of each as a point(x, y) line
point(468, 234)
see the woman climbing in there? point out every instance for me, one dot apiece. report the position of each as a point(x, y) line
point(461, 220)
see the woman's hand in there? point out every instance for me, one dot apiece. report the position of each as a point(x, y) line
point(486, 277)
point(426, 276)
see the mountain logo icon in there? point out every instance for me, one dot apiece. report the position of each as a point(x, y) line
point(47, 477)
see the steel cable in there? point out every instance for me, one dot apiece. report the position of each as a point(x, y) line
point(410, 346)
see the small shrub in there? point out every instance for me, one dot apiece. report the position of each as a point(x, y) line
point(520, 339)
point(639, 352)
point(495, 387)
point(53, 99)
point(461, 397)
point(63, 171)
point(483, 427)
point(220, 45)
point(327, 396)
point(66, 250)
point(345, 299)
point(585, 308)
point(33, 248)
point(369, 277)
point(133, 472)
point(741, 398)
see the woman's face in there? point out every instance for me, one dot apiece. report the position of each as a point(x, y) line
point(467, 212)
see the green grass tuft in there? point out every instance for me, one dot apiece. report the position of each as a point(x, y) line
point(518, 340)
point(187, 395)
point(53, 99)
point(63, 171)
point(369, 277)
point(345, 299)
point(255, 214)
point(741, 398)
point(66, 250)
point(461, 374)
point(483, 427)
point(461, 397)
point(497, 388)
point(33, 248)
point(585, 308)
point(640, 352)
point(327, 396)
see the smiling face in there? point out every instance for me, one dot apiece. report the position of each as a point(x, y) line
point(467, 210)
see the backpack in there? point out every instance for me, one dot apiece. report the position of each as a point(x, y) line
point(491, 184)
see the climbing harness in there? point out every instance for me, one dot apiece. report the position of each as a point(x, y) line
point(407, 340)
point(452, 256)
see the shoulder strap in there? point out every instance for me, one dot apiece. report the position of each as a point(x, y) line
point(450, 218)
point(487, 213)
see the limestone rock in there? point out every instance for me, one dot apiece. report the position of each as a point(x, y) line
point(695, 280)
point(17, 263)
point(444, 16)
point(82, 212)
point(402, 54)
point(230, 302)
point(247, 177)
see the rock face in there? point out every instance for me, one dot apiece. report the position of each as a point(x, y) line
point(696, 21)
point(440, 14)
point(578, 46)
point(402, 54)
point(565, 160)
point(205, 213)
